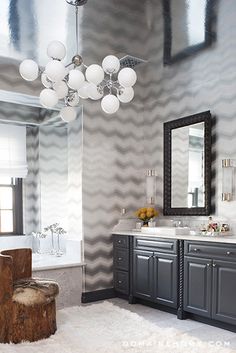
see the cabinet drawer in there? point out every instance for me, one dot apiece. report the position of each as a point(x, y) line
point(121, 259)
point(210, 250)
point(121, 282)
point(166, 246)
point(121, 241)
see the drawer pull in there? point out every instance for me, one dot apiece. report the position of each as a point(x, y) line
point(119, 241)
point(229, 253)
point(120, 258)
point(196, 250)
point(208, 265)
point(214, 265)
point(119, 282)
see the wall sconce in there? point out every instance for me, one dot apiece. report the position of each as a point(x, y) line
point(227, 180)
point(151, 186)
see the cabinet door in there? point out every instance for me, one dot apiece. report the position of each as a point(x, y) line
point(197, 286)
point(165, 279)
point(224, 289)
point(143, 274)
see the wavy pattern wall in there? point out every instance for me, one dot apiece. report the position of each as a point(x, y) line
point(31, 184)
point(113, 146)
point(204, 81)
point(113, 178)
point(74, 195)
point(53, 166)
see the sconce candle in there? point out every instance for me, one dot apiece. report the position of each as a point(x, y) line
point(227, 180)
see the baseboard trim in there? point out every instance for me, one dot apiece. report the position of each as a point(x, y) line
point(211, 322)
point(89, 297)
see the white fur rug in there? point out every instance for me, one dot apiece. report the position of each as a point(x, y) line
point(106, 328)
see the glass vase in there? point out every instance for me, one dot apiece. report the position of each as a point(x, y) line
point(59, 251)
point(53, 250)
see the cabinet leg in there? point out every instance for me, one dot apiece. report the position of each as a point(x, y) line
point(181, 315)
point(132, 300)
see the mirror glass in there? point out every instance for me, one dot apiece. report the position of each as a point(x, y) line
point(187, 165)
point(51, 186)
point(187, 160)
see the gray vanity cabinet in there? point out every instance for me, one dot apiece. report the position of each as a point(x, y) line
point(143, 274)
point(224, 289)
point(210, 280)
point(197, 285)
point(155, 272)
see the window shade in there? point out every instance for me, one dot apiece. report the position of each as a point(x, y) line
point(13, 151)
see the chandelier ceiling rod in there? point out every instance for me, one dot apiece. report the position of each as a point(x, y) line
point(77, 28)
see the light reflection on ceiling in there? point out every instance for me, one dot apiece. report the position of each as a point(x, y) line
point(196, 13)
point(27, 26)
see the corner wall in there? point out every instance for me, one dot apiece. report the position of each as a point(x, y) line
point(113, 146)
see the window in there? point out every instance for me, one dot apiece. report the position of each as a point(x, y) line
point(11, 217)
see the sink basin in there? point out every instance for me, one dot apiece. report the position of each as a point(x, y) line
point(166, 230)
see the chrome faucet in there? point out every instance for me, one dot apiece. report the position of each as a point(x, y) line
point(178, 223)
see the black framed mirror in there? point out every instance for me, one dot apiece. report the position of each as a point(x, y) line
point(187, 165)
point(188, 28)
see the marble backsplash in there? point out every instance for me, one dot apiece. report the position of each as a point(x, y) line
point(194, 223)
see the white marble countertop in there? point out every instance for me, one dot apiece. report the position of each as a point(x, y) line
point(214, 239)
point(43, 262)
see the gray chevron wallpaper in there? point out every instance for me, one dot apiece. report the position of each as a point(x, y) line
point(53, 169)
point(31, 184)
point(113, 178)
point(112, 152)
point(113, 146)
point(74, 192)
point(205, 81)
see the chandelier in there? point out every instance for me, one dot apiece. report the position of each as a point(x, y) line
point(73, 81)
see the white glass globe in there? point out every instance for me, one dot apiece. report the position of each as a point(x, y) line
point(76, 79)
point(127, 95)
point(61, 89)
point(56, 50)
point(83, 91)
point(93, 92)
point(55, 71)
point(45, 81)
point(29, 70)
point(111, 64)
point(110, 104)
point(94, 74)
point(73, 99)
point(68, 114)
point(48, 98)
point(127, 77)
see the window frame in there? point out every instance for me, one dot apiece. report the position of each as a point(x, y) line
point(17, 207)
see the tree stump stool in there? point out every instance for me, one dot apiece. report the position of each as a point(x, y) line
point(27, 306)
